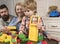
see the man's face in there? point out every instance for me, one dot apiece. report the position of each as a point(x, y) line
point(4, 13)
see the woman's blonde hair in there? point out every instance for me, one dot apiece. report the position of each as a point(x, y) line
point(19, 4)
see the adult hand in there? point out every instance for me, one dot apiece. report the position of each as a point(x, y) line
point(5, 29)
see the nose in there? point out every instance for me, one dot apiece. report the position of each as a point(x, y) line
point(19, 10)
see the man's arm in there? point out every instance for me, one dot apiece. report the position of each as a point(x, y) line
point(1, 24)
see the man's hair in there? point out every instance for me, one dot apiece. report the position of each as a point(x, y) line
point(3, 6)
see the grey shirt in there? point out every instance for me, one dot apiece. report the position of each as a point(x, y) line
point(12, 22)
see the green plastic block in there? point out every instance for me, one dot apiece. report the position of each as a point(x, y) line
point(13, 40)
point(40, 38)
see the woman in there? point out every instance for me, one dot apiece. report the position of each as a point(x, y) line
point(19, 12)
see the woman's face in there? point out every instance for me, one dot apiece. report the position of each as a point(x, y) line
point(19, 10)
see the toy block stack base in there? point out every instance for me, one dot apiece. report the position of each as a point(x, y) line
point(40, 43)
point(44, 42)
point(31, 42)
point(1, 42)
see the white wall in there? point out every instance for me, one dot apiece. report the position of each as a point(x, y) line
point(11, 5)
point(16, 1)
point(43, 5)
point(0, 2)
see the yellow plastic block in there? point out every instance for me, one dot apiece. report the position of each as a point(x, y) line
point(7, 38)
point(33, 30)
point(2, 37)
point(11, 27)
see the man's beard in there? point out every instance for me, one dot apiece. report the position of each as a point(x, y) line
point(5, 17)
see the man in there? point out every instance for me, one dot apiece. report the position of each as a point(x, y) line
point(6, 17)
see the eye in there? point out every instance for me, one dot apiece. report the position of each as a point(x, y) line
point(5, 11)
point(1, 12)
point(20, 8)
point(27, 10)
point(17, 9)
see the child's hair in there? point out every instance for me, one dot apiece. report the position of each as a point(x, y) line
point(29, 1)
point(31, 4)
point(31, 7)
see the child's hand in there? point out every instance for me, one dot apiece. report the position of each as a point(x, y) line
point(23, 19)
point(39, 26)
point(27, 23)
point(22, 27)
